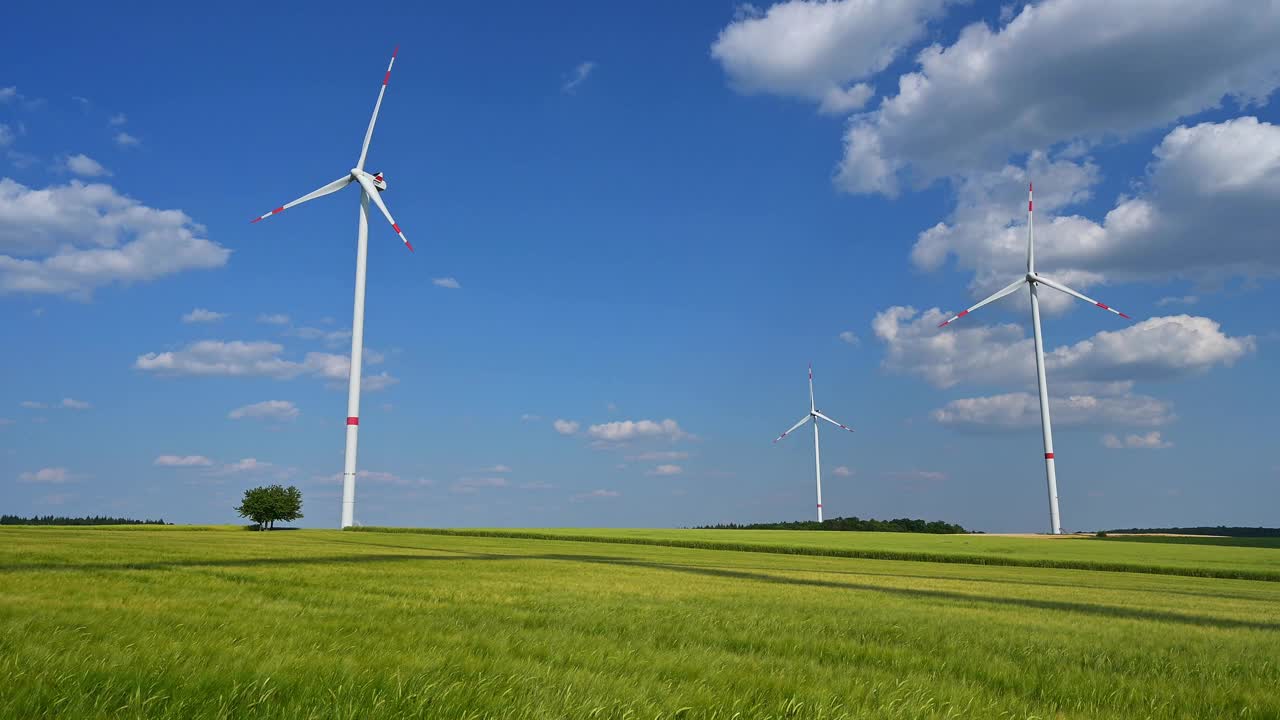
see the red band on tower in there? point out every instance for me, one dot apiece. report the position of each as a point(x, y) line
point(1048, 456)
point(353, 421)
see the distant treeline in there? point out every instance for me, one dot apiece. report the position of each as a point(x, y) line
point(856, 524)
point(1219, 530)
point(59, 520)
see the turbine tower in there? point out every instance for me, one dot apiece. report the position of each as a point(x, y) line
point(370, 186)
point(815, 416)
point(1034, 280)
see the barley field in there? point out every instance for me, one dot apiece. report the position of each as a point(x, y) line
point(223, 623)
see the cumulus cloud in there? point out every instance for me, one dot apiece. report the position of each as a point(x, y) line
point(566, 427)
point(624, 430)
point(238, 358)
point(446, 282)
point(49, 476)
point(125, 140)
point(666, 470)
point(73, 404)
point(71, 239)
point(266, 410)
point(85, 166)
point(200, 315)
point(1012, 411)
point(1150, 441)
point(1196, 214)
point(600, 494)
point(1159, 348)
point(182, 461)
point(1048, 77)
point(818, 50)
point(848, 337)
point(579, 76)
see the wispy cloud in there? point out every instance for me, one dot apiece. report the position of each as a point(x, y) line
point(273, 319)
point(666, 470)
point(182, 461)
point(600, 494)
point(848, 337)
point(566, 427)
point(85, 166)
point(578, 76)
point(125, 140)
point(446, 282)
point(266, 410)
point(73, 404)
point(201, 315)
point(49, 476)
point(1150, 441)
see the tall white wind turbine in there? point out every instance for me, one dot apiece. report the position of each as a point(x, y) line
point(1033, 280)
point(815, 416)
point(370, 186)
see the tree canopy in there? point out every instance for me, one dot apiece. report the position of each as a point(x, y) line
point(850, 524)
point(265, 505)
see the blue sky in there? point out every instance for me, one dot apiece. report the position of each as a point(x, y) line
point(656, 216)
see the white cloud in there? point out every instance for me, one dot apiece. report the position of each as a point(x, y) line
point(71, 239)
point(238, 358)
point(600, 494)
point(33, 405)
point(200, 315)
point(6, 135)
point(1178, 300)
point(666, 470)
point(182, 461)
point(580, 74)
point(499, 468)
point(566, 427)
point(849, 338)
point(1196, 214)
point(49, 475)
point(73, 404)
point(446, 282)
point(816, 50)
point(842, 471)
point(1022, 410)
point(530, 417)
point(273, 319)
point(125, 140)
point(332, 338)
point(266, 410)
point(245, 465)
point(8, 93)
point(1048, 77)
point(1159, 348)
point(624, 430)
point(1149, 441)
point(85, 166)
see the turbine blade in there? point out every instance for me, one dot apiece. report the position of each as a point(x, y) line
point(991, 299)
point(811, 405)
point(373, 195)
point(842, 426)
point(1063, 288)
point(803, 420)
point(332, 187)
point(368, 134)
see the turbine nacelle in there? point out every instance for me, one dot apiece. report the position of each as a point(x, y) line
point(375, 179)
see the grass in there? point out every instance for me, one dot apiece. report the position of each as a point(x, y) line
point(1200, 557)
point(321, 624)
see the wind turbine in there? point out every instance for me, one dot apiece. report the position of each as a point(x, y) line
point(815, 416)
point(1034, 279)
point(370, 186)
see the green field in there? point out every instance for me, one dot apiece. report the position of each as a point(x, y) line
point(175, 623)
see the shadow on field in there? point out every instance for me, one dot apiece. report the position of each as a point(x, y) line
point(1110, 611)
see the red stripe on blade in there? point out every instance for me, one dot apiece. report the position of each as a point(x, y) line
point(408, 245)
point(257, 219)
point(387, 78)
point(396, 228)
point(1126, 317)
point(353, 421)
point(277, 210)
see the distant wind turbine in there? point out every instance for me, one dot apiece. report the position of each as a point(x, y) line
point(815, 416)
point(370, 186)
point(1034, 279)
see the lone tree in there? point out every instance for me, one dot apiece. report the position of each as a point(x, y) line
point(265, 505)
